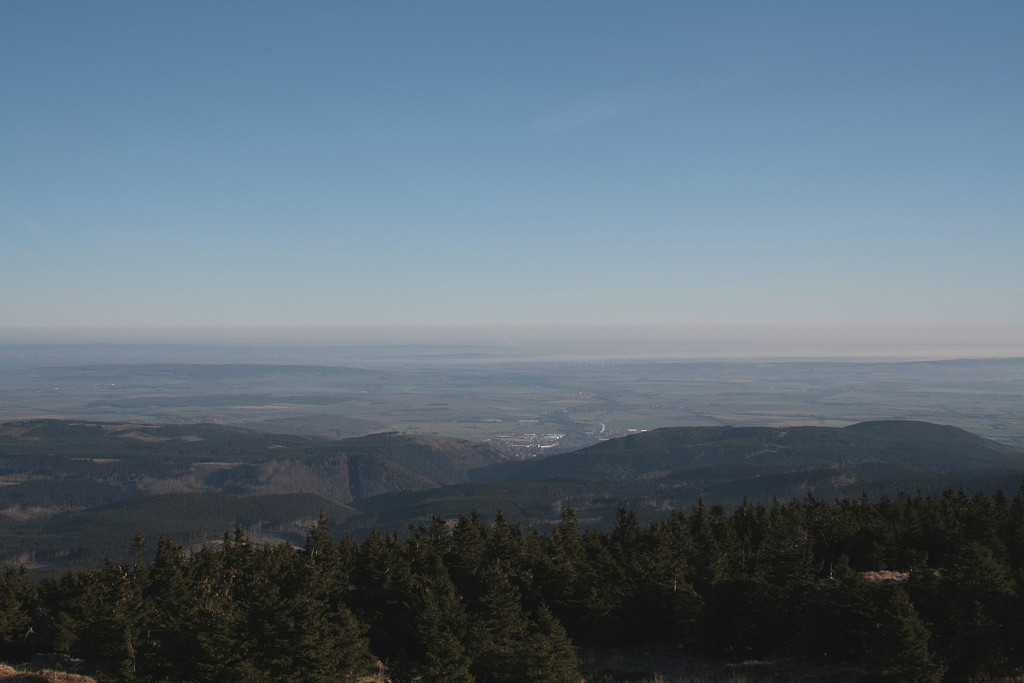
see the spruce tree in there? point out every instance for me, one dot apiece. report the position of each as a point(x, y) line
point(331, 644)
point(979, 597)
point(169, 649)
point(382, 581)
point(107, 617)
point(434, 651)
point(783, 575)
point(219, 621)
point(550, 654)
point(901, 644)
point(17, 597)
point(499, 631)
point(840, 621)
point(446, 661)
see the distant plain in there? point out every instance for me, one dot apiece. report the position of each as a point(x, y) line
point(483, 392)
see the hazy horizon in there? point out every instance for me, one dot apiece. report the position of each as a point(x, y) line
point(557, 342)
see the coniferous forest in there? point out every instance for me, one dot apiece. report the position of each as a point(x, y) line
point(912, 588)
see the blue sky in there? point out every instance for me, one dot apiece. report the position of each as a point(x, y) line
point(803, 165)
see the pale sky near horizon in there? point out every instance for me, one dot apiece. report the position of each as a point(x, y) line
point(329, 164)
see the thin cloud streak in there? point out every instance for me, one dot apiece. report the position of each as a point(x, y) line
point(597, 108)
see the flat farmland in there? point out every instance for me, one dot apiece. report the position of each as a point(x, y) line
point(559, 404)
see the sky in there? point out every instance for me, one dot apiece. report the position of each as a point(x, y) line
point(821, 166)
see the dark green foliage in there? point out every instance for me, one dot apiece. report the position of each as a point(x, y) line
point(167, 595)
point(979, 597)
point(492, 601)
point(783, 574)
point(499, 629)
point(97, 615)
point(446, 661)
point(841, 616)
point(550, 654)
point(508, 644)
point(17, 597)
point(901, 651)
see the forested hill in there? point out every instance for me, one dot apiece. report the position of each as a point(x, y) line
point(918, 446)
point(728, 464)
point(202, 455)
point(69, 489)
point(72, 490)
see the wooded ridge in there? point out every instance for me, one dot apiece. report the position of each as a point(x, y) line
point(74, 490)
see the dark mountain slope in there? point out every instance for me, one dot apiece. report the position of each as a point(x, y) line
point(526, 502)
point(105, 476)
point(342, 477)
point(440, 459)
point(671, 468)
point(86, 537)
point(932, 446)
point(736, 453)
point(138, 459)
point(351, 469)
point(112, 439)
